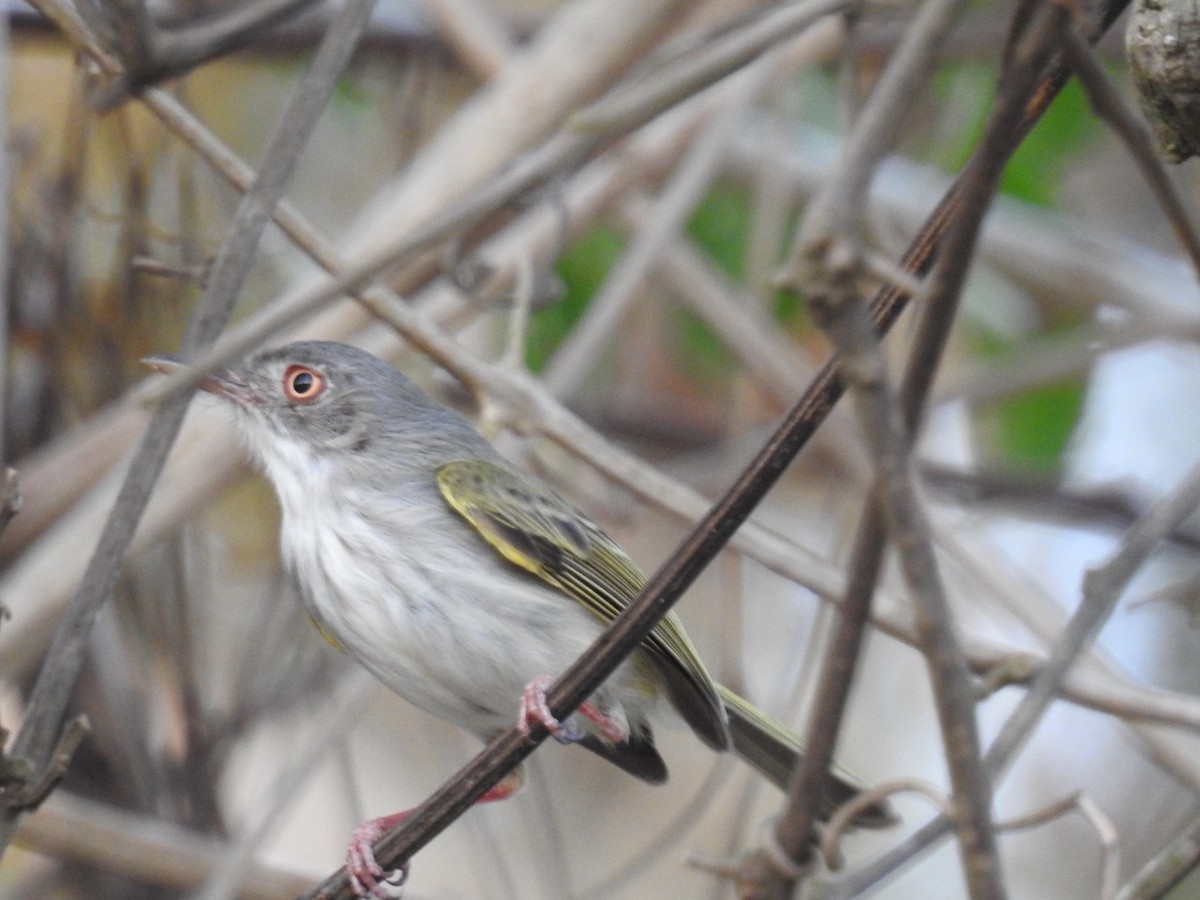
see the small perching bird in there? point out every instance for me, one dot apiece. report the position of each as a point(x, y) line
point(463, 583)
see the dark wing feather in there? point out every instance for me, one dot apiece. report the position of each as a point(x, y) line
point(537, 530)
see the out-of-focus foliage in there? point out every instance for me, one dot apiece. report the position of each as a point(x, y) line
point(583, 266)
point(1035, 170)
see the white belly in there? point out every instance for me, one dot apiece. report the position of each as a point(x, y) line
point(437, 616)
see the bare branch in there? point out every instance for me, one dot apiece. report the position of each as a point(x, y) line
point(838, 205)
point(75, 828)
point(1101, 823)
point(1111, 106)
point(634, 103)
point(574, 359)
point(150, 51)
point(61, 667)
point(845, 319)
point(835, 830)
point(1103, 588)
point(1167, 868)
point(965, 204)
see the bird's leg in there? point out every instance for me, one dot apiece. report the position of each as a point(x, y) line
point(535, 709)
point(367, 877)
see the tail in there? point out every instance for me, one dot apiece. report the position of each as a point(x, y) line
point(774, 750)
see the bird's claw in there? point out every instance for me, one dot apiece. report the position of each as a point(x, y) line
point(367, 877)
point(535, 709)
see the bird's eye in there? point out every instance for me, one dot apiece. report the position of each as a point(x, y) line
point(302, 384)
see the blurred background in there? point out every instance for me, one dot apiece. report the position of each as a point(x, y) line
point(231, 751)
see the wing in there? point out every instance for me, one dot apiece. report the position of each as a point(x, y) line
point(540, 532)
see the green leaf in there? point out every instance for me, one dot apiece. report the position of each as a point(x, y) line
point(720, 226)
point(1033, 430)
point(582, 267)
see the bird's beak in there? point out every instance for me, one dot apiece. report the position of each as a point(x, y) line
point(223, 384)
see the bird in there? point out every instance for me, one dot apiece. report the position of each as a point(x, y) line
point(463, 582)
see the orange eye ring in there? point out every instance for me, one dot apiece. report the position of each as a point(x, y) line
point(303, 384)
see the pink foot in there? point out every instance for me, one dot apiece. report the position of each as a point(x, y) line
point(535, 709)
point(614, 732)
point(367, 877)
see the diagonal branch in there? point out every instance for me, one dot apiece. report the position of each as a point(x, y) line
point(602, 658)
point(1020, 98)
point(1168, 868)
point(506, 752)
point(147, 51)
point(845, 320)
point(1108, 103)
point(60, 670)
point(593, 127)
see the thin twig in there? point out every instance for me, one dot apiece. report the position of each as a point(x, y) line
point(1019, 103)
point(971, 783)
point(55, 684)
point(345, 706)
point(835, 209)
point(24, 791)
point(151, 850)
point(842, 820)
point(1110, 845)
point(1170, 866)
point(688, 76)
point(171, 51)
point(1108, 103)
point(575, 357)
point(845, 319)
point(839, 203)
point(1103, 587)
point(66, 19)
point(807, 787)
point(1101, 823)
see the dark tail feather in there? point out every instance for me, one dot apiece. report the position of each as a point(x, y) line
point(637, 756)
point(774, 750)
